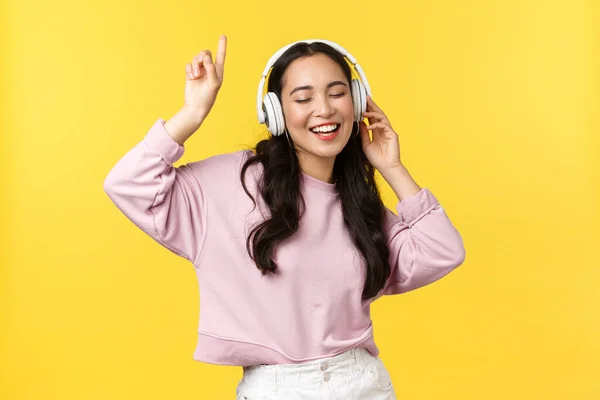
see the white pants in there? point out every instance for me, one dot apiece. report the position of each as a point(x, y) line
point(352, 375)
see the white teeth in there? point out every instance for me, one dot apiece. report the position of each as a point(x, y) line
point(324, 128)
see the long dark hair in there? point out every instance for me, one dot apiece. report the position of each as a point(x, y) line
point(362, 207)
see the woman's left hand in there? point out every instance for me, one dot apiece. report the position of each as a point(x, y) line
point(383, 151)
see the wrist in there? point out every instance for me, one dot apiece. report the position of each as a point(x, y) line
point(193, 114)
point(401, 182)
point(183, 124)
point(393, 170)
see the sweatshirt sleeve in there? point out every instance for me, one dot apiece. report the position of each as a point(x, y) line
point(424, 245)
point(164, 201)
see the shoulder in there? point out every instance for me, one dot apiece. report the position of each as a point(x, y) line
point(221, 162)
point(220, 166)
point(222, 170)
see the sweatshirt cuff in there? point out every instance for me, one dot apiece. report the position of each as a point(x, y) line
point(415, 207)
point(160, 141)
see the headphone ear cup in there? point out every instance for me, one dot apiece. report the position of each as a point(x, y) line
point(274, 114)
point(359, 99)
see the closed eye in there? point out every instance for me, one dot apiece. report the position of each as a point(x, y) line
point(336, 95)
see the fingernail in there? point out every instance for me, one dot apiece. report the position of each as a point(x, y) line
point(195, 71)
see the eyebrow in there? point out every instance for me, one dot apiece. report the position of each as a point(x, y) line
point(334, 83)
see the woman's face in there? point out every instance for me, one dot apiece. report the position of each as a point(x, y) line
point(316, 93)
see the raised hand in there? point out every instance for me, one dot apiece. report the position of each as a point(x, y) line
point(204, 79)
point(383, 151)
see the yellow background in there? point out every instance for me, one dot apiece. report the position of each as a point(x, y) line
point(496, 104)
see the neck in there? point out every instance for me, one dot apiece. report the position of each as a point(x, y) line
point(317, 167)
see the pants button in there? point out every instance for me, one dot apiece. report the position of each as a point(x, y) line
point(324, 366)
point(326, 376)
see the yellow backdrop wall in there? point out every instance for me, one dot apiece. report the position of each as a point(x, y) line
point(496, 104)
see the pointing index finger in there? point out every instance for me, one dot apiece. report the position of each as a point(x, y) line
point(221, 51)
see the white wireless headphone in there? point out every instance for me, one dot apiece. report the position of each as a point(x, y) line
point(269, 108)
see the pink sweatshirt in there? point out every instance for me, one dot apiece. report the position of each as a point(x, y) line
point(309, 310)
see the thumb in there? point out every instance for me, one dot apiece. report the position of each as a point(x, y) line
point(364, 134)
point(211, 70)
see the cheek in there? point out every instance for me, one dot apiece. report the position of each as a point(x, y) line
point(349, 108)
point(296, 117)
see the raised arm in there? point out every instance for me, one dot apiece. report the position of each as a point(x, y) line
point(164, 201)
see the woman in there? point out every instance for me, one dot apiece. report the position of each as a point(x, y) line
point(291, 242)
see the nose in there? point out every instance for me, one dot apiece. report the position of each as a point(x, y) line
point(323, 107)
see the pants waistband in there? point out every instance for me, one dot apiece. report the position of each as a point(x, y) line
point(350, 363)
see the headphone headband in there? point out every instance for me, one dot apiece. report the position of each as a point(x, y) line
point(275, 57)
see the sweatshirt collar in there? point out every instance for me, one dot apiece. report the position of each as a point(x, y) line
point(313, 183)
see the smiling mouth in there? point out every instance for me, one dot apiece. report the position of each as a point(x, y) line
point(326, 130)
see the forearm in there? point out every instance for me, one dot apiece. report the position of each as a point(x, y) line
point(183, 124)
point(401, 182)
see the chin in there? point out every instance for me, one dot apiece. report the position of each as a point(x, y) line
point(329, 153)
point(330, 150)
